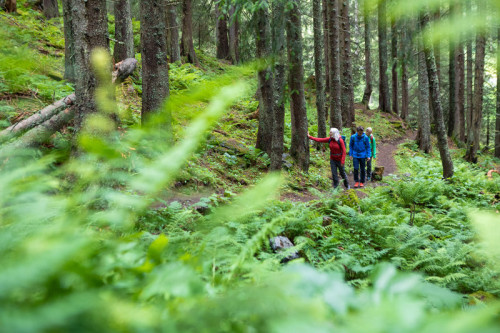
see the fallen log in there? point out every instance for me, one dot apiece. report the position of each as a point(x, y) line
point(40, 126)
point(39, 117)
point(43, 131)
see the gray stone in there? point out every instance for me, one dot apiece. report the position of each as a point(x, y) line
point(287, 161)
point(281, 243)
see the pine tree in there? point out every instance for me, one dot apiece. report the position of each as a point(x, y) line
point(50, 8)
point(430, 62)
point(155, 85)
point(318, 66)
point(187, 45)
point(299, 148)
point(384, 97)
point(334, 58)
point(124, 35)
point(265, 76)
point(368, 66)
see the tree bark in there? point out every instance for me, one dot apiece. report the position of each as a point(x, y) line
point(318, 67)
point(124, 35)
point(437, 47)
point(155, 87)
point(234, 32)
point(43, 131)
point(469, 78)
point(187, 46)
point(460, 92)
point(50, 8)
point(497, 127)
point(89, 24)
point(69, 43)
point(39, 117)
point(405, 90)
point(49, 117)
point(436, 103)
point(279, 85)
point(10, 6)
point(473, 140)
point(368, 61)
point(394, 54)
point(299, 148)
point(348, 116)
point(221, 33)
point(173, 33)
point(265, 75)
point(424, 119)
point(334, 58)
point(97, 18)
point(452, 90)
point(384, 99)
point(324, 11)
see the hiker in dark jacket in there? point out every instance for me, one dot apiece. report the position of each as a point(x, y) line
point(373, 146)
point(337, 155)
point(360, 152)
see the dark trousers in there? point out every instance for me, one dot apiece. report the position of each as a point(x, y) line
point(369, 169)
point(334, 165)
point(359, 163)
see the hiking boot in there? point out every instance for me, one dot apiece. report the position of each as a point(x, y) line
point(356, 185)
point(361, 185)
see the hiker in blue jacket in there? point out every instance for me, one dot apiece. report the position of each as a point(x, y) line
point(360, 152)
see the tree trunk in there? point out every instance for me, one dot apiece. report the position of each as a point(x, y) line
point(436, 103)
point(69, 43)
point(384, 99)
point(10, 6)
point(424, 118)
point(394, 54)
point(97, 24)
point(173, 33)
point(437, 47)
point(368, 61)
point(299, 148)
point(497, 127)
point(234, 32)
point(221, 33)
point(469, 78)
point(155, 86)
point(50, 8)
point(89, 24)
point(124, 35)
point(348, 116)
point(39, 117)
point(324, 11)
point(460, 98)
point(265, 75)
point(405, 90)
point(452, 90)
point(187, 46)
point(50, 118)
point(334, 58)
point(473, 140)
point(279, 84)
point(318, 67)
point(43, 131)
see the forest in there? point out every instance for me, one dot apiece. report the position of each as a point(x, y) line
point(172, 166)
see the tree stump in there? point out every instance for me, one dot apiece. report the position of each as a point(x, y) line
point(378, 173)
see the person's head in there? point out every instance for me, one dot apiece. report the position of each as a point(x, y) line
point(335, 134)
point(369, 131)
point(360, 130)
